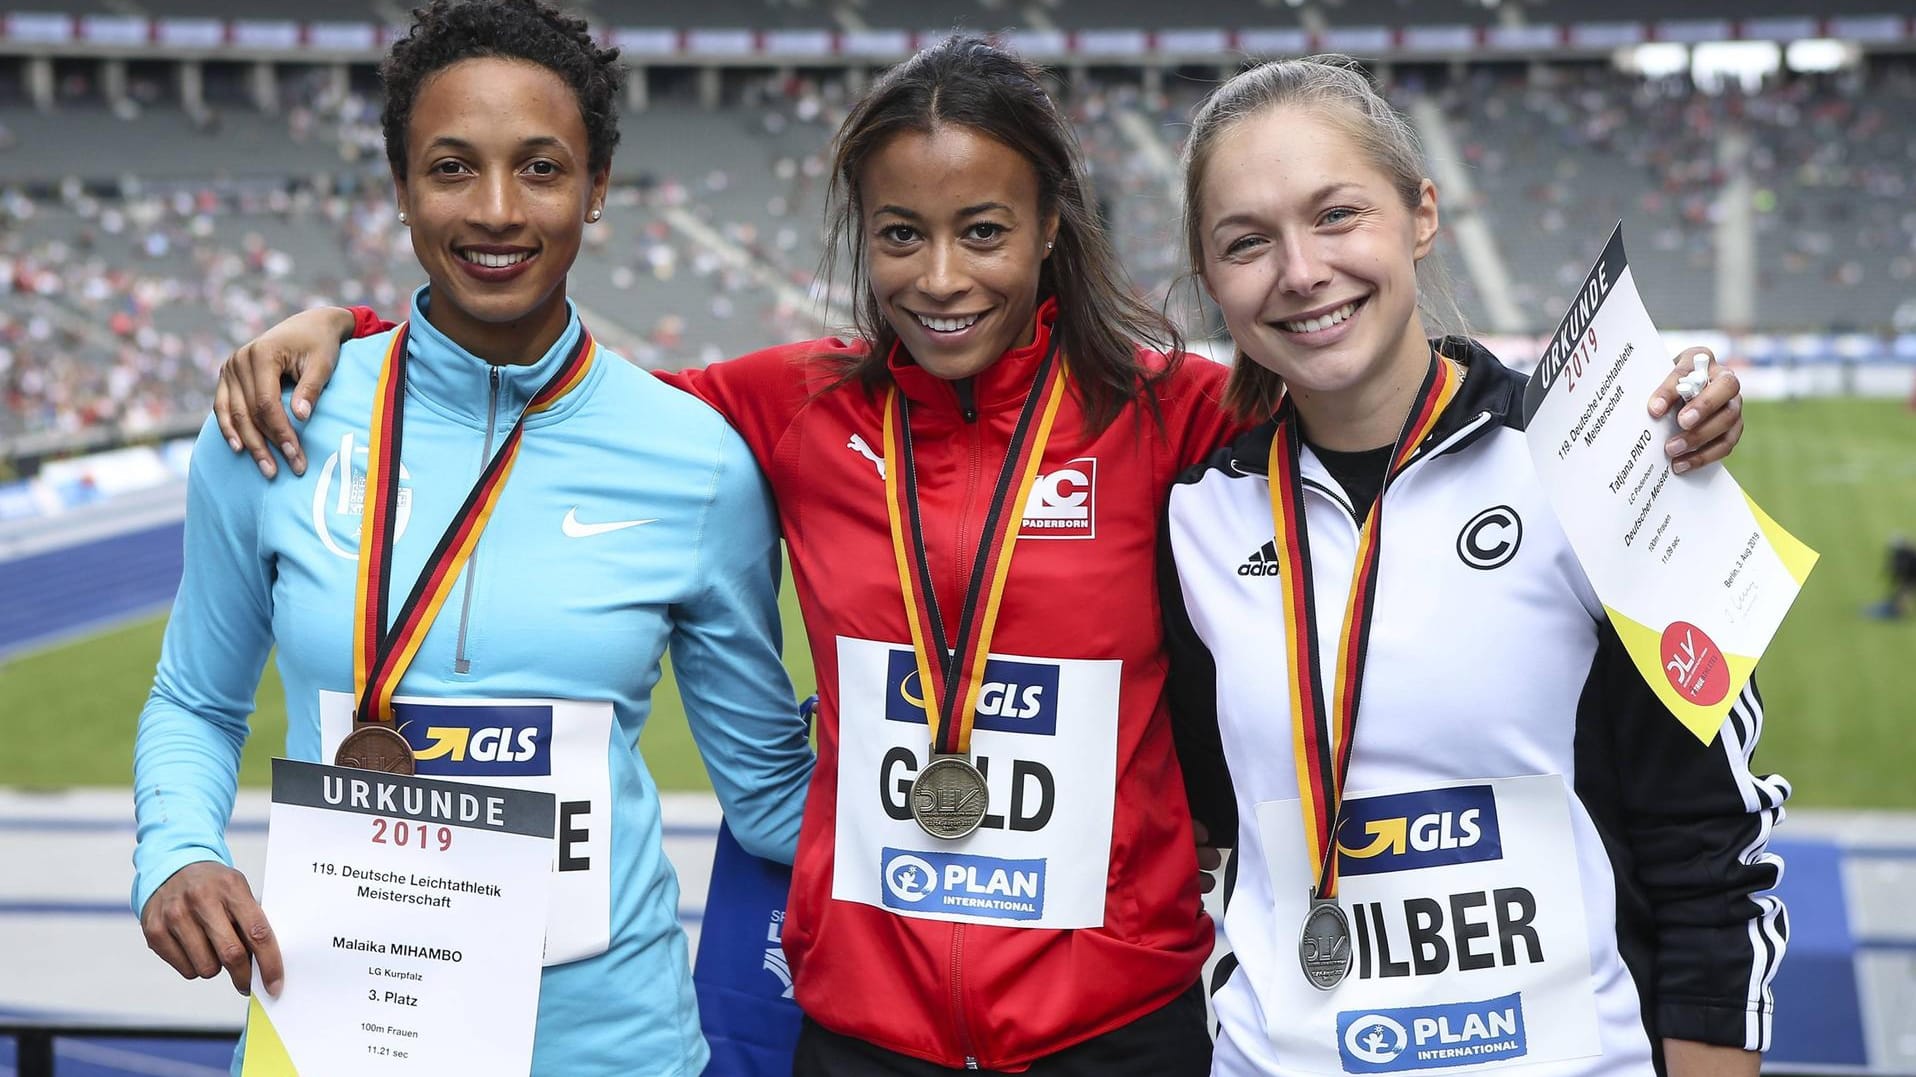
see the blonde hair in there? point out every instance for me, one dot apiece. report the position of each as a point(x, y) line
point(1339, 88)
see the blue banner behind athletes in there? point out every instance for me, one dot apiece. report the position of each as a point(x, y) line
point(744, 987)
point(743, 984)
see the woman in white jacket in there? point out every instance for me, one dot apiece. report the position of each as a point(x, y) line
point(1468, 834)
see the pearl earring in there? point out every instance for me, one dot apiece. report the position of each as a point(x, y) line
point(595, 214)
point(402, 217)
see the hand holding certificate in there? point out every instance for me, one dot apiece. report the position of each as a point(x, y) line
point(411, 916)
point(1695, 577)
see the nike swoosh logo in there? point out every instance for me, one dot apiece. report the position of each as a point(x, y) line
point(574, 529)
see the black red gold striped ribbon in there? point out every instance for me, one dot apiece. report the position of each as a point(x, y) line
point(1322, 733)
point(384, 646)
point(952, 668)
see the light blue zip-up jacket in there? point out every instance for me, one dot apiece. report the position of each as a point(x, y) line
point(553, 606)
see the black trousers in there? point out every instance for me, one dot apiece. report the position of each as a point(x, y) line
point(1171, 1041)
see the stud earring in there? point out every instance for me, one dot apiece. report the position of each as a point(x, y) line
point(595, 215)
point(1047, 244)
point(402, 217)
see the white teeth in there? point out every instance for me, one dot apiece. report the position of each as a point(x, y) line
point(1312, 325)
point(947, 325)
point(495, 261)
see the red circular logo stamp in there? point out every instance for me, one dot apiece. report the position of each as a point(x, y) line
point(1694, 664)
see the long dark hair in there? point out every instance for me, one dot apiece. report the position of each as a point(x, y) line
point(969, 82)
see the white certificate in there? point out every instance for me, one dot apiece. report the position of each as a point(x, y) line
point(1695, 577)
point(411, 916)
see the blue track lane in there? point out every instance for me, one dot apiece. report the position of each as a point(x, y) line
point(58, 594)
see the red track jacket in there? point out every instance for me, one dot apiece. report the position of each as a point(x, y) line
point(879, 960)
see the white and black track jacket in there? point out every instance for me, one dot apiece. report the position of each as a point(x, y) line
point(1545, 872)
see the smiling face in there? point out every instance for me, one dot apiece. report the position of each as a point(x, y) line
point(1311, 254)
point(497, 192)
point(955, 240)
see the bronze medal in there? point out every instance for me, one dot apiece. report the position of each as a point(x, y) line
point(385, 640)
point(375, 746)
point(1324, 946)
point(948, 797)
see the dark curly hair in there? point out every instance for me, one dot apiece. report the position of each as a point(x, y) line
point(445, 32)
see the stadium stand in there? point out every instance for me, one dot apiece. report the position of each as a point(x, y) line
point(142, 241)
point(143, 236)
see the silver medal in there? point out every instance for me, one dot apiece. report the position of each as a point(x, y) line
point(1324, 946)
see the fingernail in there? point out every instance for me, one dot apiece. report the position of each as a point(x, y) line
point(267, 469)
point(1687, 419)
point(289, 450)
point(234, 443)
point(301, 408)
point(272, 987)
point(1674, 446)
point(1658, 406)
point(1680, 467)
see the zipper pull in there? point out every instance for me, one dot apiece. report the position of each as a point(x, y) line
point(967, 406)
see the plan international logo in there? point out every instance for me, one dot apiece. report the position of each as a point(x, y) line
point(1432, 1037)
point(983, 886)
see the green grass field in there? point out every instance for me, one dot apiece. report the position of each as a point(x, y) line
point(1840, 691)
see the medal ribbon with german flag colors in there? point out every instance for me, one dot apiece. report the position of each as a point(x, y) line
point(1321, 731)
point(952, 681)
point(383, 647)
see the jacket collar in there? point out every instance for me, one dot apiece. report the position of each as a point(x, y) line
point(458, 384)
point(1491, 396)
point(1003, 384)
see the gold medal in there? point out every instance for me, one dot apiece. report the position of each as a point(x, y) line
point(948, 798)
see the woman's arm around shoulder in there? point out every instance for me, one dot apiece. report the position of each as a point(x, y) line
point(726, 654)
point(1191, 396)
point(761, 393)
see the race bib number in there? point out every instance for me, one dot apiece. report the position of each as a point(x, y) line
point(1469, 944)
point(1046, 739)
point(549, 746)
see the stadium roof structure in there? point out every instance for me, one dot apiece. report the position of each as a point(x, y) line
point(760, 32)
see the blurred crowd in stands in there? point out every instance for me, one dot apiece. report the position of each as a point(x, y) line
point(120, 297)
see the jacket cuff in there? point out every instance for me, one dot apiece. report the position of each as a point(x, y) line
point(1724, 1024)
point(151, 877)
point(367, 322)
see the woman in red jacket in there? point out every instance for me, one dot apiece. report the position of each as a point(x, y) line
point(996, 869)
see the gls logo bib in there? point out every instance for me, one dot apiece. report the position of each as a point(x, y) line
point(1469, 941)
point(1046, 742)
point(551, 746)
